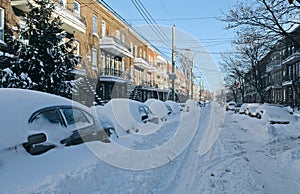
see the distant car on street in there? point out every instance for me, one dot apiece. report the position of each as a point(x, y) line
point(252, 110)
point(237, 107)
point(40, 121)
point(230, 106)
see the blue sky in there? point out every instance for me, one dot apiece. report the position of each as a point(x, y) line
point(195, 18)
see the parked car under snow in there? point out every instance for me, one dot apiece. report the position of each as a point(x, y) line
point(129, 116)
point(160, 108)
point(39, 121)
point(252, 110)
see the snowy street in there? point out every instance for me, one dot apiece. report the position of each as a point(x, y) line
point(241, 155)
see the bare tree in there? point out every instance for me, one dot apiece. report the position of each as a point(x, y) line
point(244, 68)
point(273, 18)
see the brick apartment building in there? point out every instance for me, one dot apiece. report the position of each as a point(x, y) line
point(280, 70)
point(114, 58)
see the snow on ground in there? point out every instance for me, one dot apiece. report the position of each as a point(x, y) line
point(240, 155)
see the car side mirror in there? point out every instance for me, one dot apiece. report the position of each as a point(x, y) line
point(37, 138)
point(145, 118)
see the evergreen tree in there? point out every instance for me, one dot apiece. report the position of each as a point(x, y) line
point(40, 58)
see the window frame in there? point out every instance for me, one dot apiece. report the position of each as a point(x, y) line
point(77, 45)
point(95, 25)
point(77, 11)
point(58, 110)
point(103, 28)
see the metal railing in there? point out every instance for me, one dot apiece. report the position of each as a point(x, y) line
point(111, 72)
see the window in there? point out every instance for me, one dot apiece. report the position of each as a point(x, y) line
point(103, 28)
point(74, 116)
point(123, 38)
point(76, 7)
point(1, 24)
point(77, 48)
point(141, 53)
point(117, 64)
point(123, 66)
point(131, 47)
point(47, 120)
point(135, 51)
point(50, 116)
point(95, 25)
point(94, 58)
point(118, 34)
point(102, 60)
point(63, 3)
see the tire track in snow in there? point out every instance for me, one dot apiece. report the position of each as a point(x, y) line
point(199, 173)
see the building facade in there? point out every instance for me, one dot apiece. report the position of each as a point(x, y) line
point(280, 69)
point(115, 60)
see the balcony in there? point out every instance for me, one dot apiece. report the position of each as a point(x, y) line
point(142, 63)
point(295, 57)
point(71, 22)
point(114, 46)
point(21, 4)
point(272, 66)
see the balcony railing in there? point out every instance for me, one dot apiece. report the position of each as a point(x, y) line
point(274, 65)
point(291, 58)
point(115, 47)
point(111, 72)
point(72, 22)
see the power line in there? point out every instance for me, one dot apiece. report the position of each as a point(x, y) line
point(149, 19)
point(131, 27)
point(176, 19)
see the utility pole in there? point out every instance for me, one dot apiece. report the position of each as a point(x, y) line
point(192, 80)
point(173, 77)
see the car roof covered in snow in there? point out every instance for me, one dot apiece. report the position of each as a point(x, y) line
point(17, 105)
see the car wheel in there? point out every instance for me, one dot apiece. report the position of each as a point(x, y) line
point(258, 116)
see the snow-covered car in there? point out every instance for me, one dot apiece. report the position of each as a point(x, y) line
point(175, 106)
point(237, 107)
point(184, 107)
point(159, 108)
point(40, 121)
point(243, 108)
point(201, 103)
point(129, 115)
point(230, 106)
point(253, 110)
